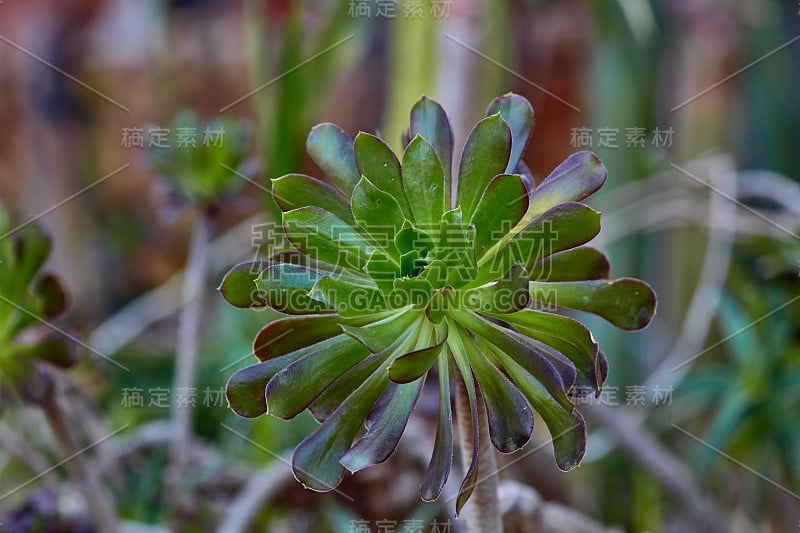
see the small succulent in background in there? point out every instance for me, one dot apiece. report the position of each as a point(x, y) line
point(392, 282)
point(197, 160)
point(28, 296)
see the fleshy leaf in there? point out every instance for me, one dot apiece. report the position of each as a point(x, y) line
point(507, 295)
point(348, 297)
point(442, 457)
point(294, 191)
point(332, 150)
point(378, 336)
point(458, 352)
point(577, 264)
point(509, 415)
point(579, 176)
point(382, 270)
point(408, 263)
point(455, 249)
point(324, 236)
point(414, 365)
point(435, 273)
point(525, 173)
point(295, 387)
point(378, 163)
point(379, 214)
point(239, 285)
point(286, 287)
point(563, 227)
point(423, 181)
point(315, 461)
point(566, 424)
point(245, 388)
point(286, 335)
point(518, 114)
point(485, 155)
point(429, 120)
point(410, 238)
point(388, 421)
point(535, 362)
point(339, 390)
point(410, 291)
point(569, 337)
point(627, 303)
point(501, 207)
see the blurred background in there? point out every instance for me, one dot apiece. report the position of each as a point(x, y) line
point(692, 105)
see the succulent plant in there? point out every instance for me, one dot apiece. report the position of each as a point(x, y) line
point(393, 280)
point(198, 157)
point(26, 298)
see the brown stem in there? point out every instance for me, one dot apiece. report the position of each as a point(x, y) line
point(98, 507)
point(482, 511)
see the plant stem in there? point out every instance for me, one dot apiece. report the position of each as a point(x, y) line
point(186, 353)
point(98, 507)
point(482, 511)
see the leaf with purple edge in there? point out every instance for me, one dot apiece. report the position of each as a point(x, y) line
point(508, 432)
point(458, 351)
point(423, 181)
point(316, 460)
point(379, 214)
point(332, 150)
point(387, 422)
point(501, 207)
point(518, 114)
point(294, 191)
point(429, 120)
point(296, 387)
point(286, 335)
point(414, 365)
point(627, 303)
point(576, 264)
point(535, 362)
point(563, 227)
point(344, 385)
point(286, 287)
point(324, 236)
point(578, 177)
point(442, 456)
point(239, 285)
point(485, 155)
point(245, 389)
point(379, 164)
point(569, 337)
point(566, 424)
